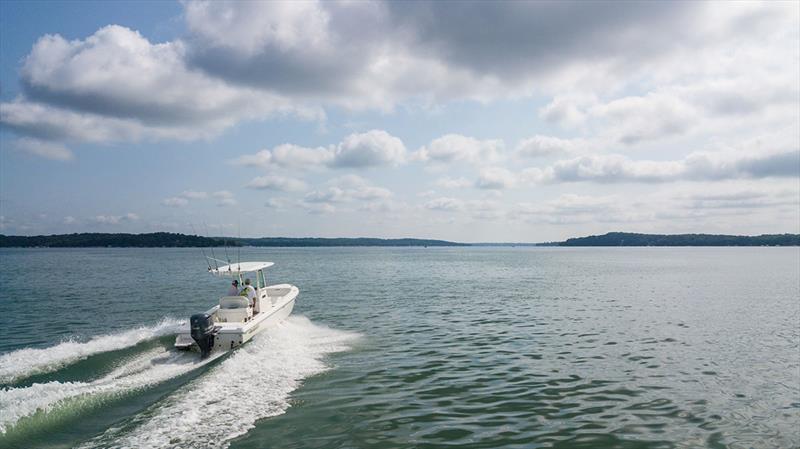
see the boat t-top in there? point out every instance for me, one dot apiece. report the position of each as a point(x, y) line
point(234, 321)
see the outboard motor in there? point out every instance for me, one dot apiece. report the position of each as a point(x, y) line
point(203, 332)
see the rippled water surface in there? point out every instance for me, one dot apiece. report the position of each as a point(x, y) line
point(409, 347)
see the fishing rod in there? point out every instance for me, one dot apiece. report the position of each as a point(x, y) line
point(225, 242)
point(201, 248)
point(211, 248)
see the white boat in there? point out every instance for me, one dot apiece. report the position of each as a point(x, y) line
point(234, 321)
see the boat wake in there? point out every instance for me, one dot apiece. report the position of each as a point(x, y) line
point(24, 363)
point(254, 382)
point(146, 369)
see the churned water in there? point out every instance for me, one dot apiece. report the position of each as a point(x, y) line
point(409, 347)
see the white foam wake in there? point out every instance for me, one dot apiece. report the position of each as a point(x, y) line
point(253, 383)
point(146, 369)
point(27, 362)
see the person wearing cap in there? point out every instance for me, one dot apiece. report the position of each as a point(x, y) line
point(234, 289)
point(249, 292)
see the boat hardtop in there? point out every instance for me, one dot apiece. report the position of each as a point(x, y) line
point(241, 267)
point(236, 319)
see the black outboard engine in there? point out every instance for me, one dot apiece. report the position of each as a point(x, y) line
point(203, 332)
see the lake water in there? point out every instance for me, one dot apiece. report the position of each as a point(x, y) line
point(409, 348)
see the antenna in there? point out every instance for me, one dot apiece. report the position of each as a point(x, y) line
point(201, 249)
point(239, 248)
point(211, 248)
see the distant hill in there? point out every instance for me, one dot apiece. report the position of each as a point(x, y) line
point(165, 239)
point(362, 241)
point(632, 239)
point(89, 240)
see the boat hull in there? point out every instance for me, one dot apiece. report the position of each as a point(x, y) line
point(232, 335)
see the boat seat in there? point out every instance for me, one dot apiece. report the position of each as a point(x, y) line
point(233, 302)
point(234, 309)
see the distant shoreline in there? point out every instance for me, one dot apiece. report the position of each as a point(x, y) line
point(174, 240)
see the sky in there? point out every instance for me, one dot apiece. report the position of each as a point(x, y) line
point(466, 121)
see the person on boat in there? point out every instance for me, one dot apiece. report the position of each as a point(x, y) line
point(249, 292)
point(234, 290)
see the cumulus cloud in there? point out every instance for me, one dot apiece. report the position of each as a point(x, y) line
point(287, 156)
point(372, 148)
point(318, 208)
point(358, 150)
point(276, 182)
point(249, 60)
point(495, 178)
point(639, 118)
point(567, 109)
point(543, 146)
point(346, 189)
point(457, 148)
point(101, 89)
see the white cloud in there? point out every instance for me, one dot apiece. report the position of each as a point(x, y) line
point(276, 182)
point(372, 148)
point(318, 208)
point(329, 195)
point(543, 146)
point(640, 118)
point(359, 150)
point(701, 166)
point(457, 148)
point(346, 189)
point(495, 178)
point(250, 60)
point(47, 150)
point(100, 89)
point(68, 220)
point(288, 156)
point(567, 109)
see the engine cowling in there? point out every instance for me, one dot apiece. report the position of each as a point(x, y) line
point(203, 332)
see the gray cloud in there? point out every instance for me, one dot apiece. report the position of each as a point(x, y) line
point(512, 40)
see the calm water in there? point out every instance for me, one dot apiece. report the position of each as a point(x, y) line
point(411, 347)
